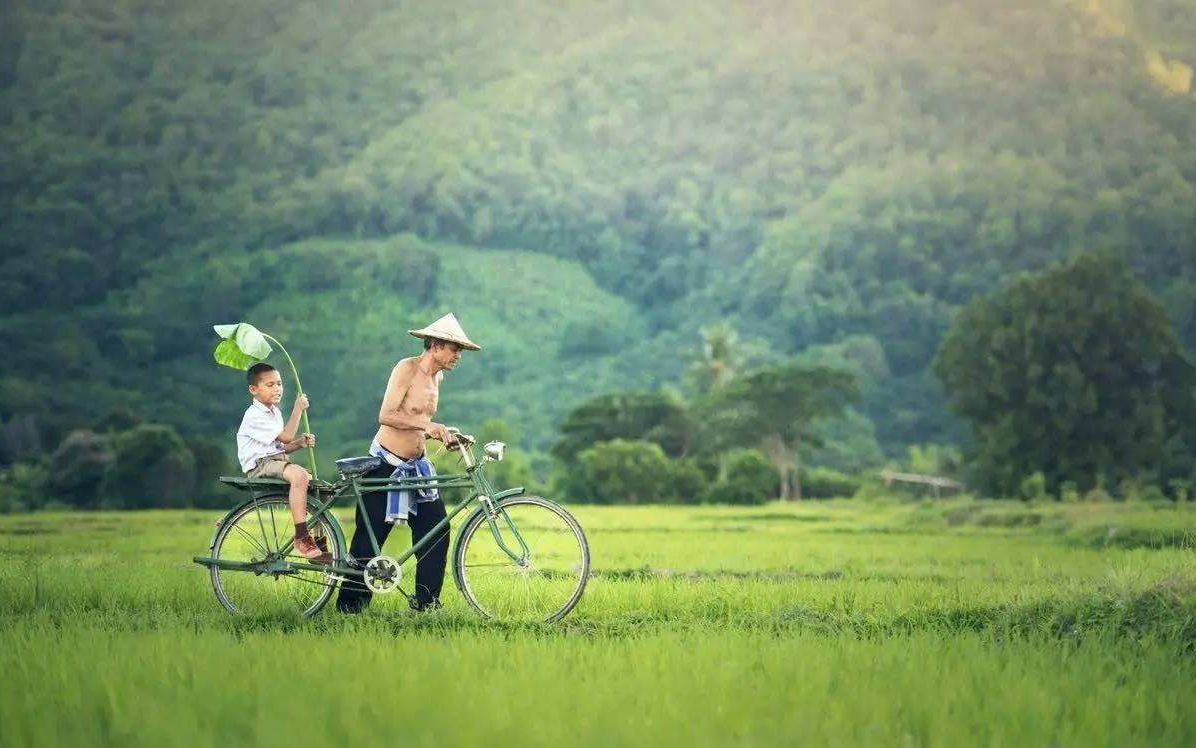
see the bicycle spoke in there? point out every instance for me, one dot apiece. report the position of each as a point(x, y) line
point(265, 552)
point(274, 527)
point(301, 591)
point(542, 586)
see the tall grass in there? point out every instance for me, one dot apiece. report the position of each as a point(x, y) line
point(833, 622)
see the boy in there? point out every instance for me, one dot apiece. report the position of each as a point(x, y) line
point(263, 442)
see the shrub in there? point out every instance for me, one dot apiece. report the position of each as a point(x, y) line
point(1151, 492)
point(624, 471)
point(1033, 487)
point(77, 469)
point(824, 483)
point(1098, 494)
point(22, 487)
point(211, 462)
point(151, 467)
point(749, 479)
point(1068, 492)
point(688, 481)
point(1180, 489)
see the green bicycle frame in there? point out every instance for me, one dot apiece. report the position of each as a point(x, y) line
point(473, 478)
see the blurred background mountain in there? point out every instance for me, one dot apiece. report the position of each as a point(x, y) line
point(588, 186)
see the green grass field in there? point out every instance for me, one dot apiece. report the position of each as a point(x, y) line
point(834, 622)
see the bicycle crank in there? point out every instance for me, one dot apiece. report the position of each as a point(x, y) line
point(382, 574)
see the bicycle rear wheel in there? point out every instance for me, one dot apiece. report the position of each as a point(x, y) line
point(255, 535)
point(543, 584)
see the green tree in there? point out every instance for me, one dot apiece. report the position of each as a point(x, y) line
point(77, 468)
point(776, 408)
point(719, 359)
point(20, 439)
point(23, 486)
point(1075, 372)
point(661, 417)
point(212, 460)
point(151, 467)
point(749, 477)
point(624, 471)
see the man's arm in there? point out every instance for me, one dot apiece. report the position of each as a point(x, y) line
point(396, 389)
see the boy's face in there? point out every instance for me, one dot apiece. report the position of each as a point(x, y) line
point(268, 389)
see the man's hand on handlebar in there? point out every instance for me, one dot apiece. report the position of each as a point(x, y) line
point(440, 433)
point(451, 437)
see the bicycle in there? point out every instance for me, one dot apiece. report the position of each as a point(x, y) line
point(517, 557)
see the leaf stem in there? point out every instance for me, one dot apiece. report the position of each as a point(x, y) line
point(298, 386)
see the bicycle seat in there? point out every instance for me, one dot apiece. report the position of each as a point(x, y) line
point(351, 466)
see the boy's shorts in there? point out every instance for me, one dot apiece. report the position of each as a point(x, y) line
point(269, 467)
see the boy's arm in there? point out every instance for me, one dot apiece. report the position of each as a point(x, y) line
point(291, 429)
point(302, 442)
point(396, 389)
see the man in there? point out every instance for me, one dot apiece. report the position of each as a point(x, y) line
point(405, 425)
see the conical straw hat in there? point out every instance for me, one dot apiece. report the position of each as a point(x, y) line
point(447, 328)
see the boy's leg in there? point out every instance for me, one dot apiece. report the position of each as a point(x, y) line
point(429, 569)
point(297, 498)
point(354, 596)
point(299, 480)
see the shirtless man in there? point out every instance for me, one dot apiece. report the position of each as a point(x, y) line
point(405, 425)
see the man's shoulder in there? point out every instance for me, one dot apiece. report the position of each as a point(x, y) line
point(407, 365)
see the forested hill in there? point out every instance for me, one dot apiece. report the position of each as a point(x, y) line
point(585, 184)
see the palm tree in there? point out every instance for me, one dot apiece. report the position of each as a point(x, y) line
point(719, 359)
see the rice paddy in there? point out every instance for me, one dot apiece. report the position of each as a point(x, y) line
point(883, 622)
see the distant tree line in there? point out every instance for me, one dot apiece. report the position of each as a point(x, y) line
point(119, 463)
point(852, 190)
point(842, 198)
point(737, 438)
point(1073, 379)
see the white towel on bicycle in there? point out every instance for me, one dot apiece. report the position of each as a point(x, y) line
point(398, 503)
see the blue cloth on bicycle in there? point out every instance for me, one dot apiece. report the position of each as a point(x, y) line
point(398, 503)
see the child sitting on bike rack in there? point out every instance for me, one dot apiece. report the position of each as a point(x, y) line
point(264, 441)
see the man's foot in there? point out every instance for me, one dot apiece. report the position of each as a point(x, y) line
point(421, 606)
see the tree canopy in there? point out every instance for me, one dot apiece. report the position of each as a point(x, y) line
point(1075, 373)
point(776, 407)
point(588, 186)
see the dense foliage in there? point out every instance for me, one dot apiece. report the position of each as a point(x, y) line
point(1073, 375)
point(587, 186)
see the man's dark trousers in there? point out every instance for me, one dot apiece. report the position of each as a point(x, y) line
point(429, 570)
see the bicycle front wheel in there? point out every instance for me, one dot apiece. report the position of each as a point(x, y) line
point(541, 578)
point(256, 534)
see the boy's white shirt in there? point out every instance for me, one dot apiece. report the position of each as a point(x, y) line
point(258, 436)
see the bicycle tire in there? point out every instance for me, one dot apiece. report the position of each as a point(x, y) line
point(567, 562)
point(280, 506)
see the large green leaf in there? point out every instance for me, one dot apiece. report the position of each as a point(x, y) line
point(242, 347)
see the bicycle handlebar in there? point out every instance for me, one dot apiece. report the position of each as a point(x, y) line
point(459, 439)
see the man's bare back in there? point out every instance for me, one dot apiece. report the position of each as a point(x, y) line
point(408, 406)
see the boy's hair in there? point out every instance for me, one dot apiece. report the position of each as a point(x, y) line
point(257, 371)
